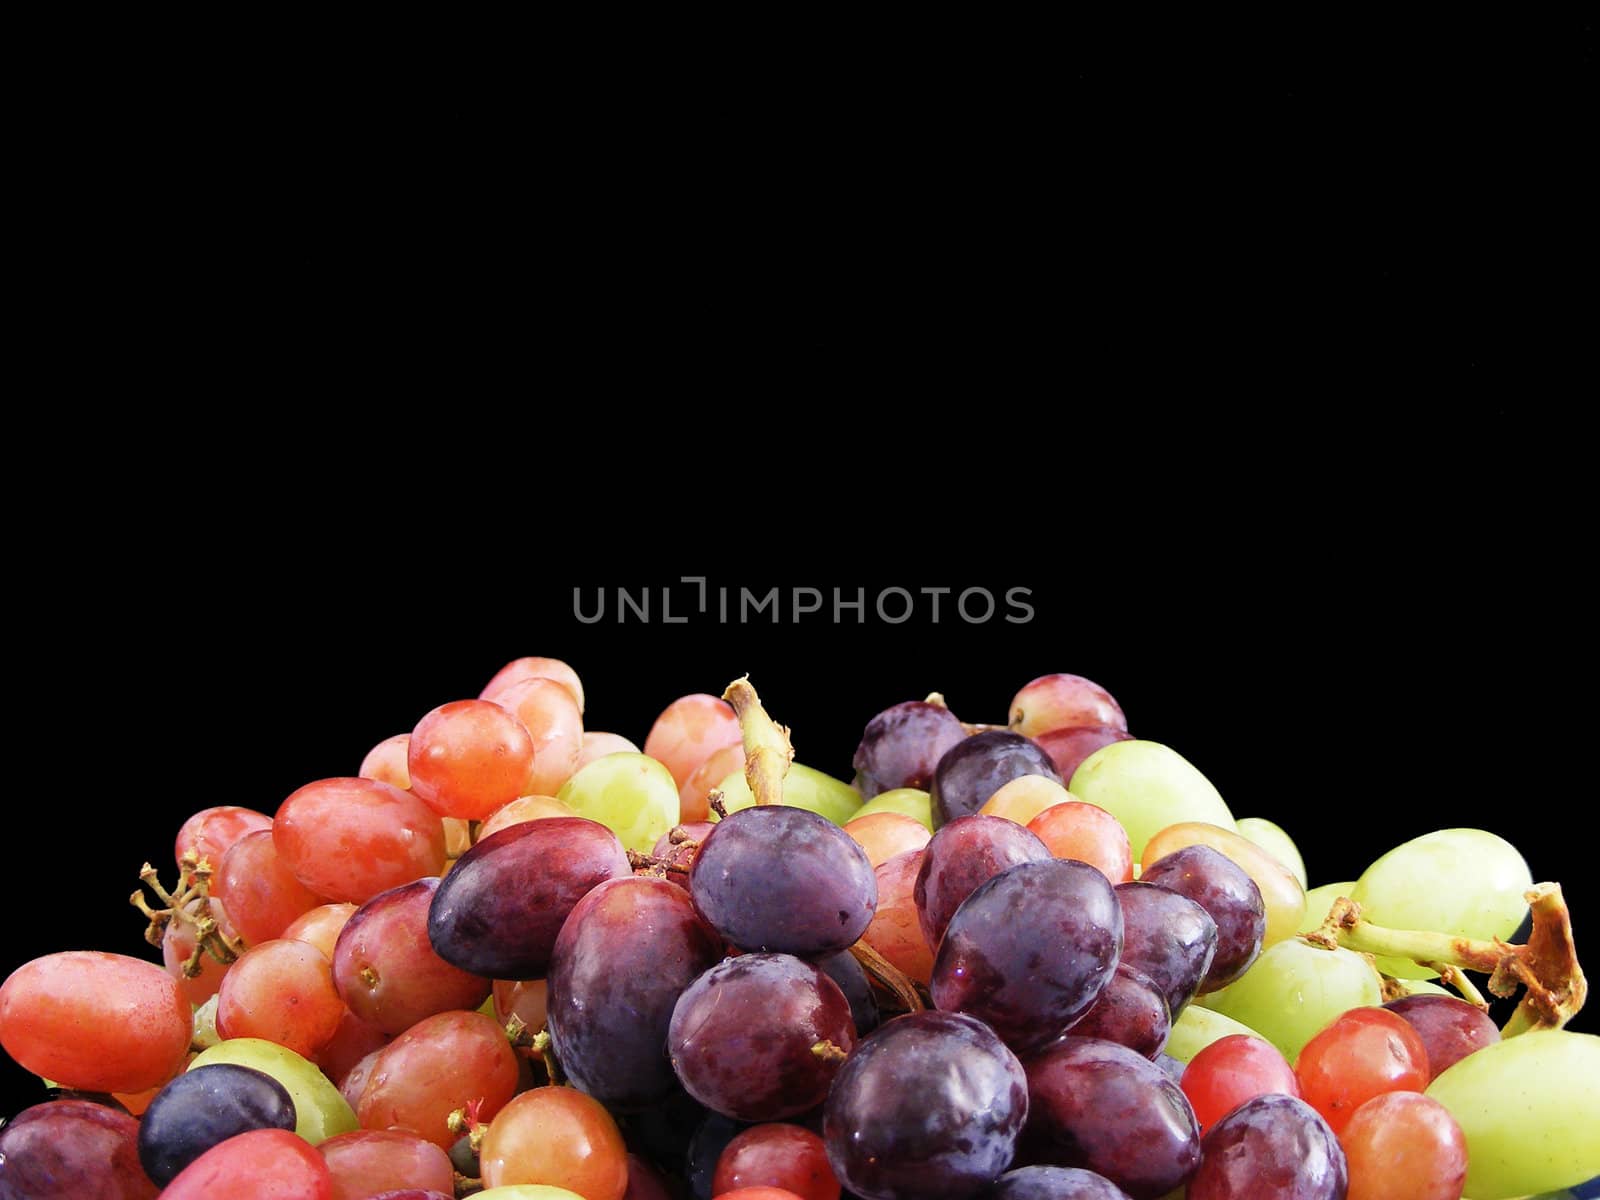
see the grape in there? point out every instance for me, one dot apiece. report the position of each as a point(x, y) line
point(778, 1156)
point(1030, 950)
point(558, 1137)
point(264, 1164)
point(1234, 1069)
point(96, 1022)
point(259, 891)
point(432, 1194)
point(689, 731)
point(1024, 798)
point(1462, 882)
point(386, 762)
point(977, 767)
point(803, 787)
point(523, 808)
point(883, 835)
point(527, 1191)
point(351, 1042)
point(1277, 843)
point(1529, 1107)
point(1402, 1146)
point(320, 927)
point(1100, 1106)
point(1062, 701)
point(281, 991)
point(1196, 1028)
point(896, 928)
point(644, 1182)
point(386, 969)
point(320, 1111)
point(710, 1139)
point(1088, 834)
point(783, 879)
point(1229, 895)
point(743, 1034)
point(1168, 937)
point(1319, 903)
point(515, 671)
point(910, 802)
point(1295, 989)
point(440, 1064)
point(499, 910)
point(1068, 747)
point(69, 1150)
point(598, 745)
point(1271, 1148)
point(349, 839)
point(902, 745)
point(205, 1107)
point(1281, 894)
point(205, 1026)
point(212, 831)
point(842, 967)
point(1170, 1067)
point(1052, 1183)
point(177, 944)
point(694, 794)
point(354, 1082)
point(964, 854)
point(631, 794)
point(550, 715)
point(527, 999)
point(469, 757)
point(1130, 1011)
point(929, 1107)
point(1450, 1028)
point(1147, 787)
point(372, 1161)
point(625, 955)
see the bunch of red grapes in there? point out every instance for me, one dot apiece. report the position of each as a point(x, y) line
point(518, 959)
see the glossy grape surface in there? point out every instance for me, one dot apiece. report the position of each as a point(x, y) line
point(902, 745)
point(1364, 1053)
point(281, 991)
point(370, 1162)
point(320, 1111)
point(1089, 834)
point(1402, 1146)
point(977, 767)
point(264, 1164)
point(1271, 1148)
point(1276, 842)
point(1147, 786)
point(499, 910)
point(632, 795)
point(349, 839)
point(1281, 894)
point(437, 1066)
point(555, 726)
point(929, 1107)
point(779, 1156)
point(1069, 747)
point(211, 832)
point(1130, 1011)
point(1229, 895)
point(963, 855)
point(557, 1137)
point(1295, 989)
point(261, 894)
point(1063, 701)
point(469, 757)
point(912, 802)
point(1449, 1027)
point(203, 1108)
point(1169, 938)
point(518, 669)
point(689, 731)
point(71, 1150)
point(896, 928)
point(1030, 950)
point(1231, 1070)
point(1052, 1183)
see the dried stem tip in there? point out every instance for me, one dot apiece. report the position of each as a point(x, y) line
point(767, 749)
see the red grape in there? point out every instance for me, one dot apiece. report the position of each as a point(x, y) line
point(1089, 834)
point(211, 831)
point(902, 745)
point(523, 808)
point(1068, 747)
point(1364, 1053)
point(690, 730)
point(281, 991)
point(469, 757)
point(1450, 1028)
point(349, 839)
point(1402, 1146)
point(551, 717)
point(320, 927)
point(1234, 1069)
point(386, 762)
point(177, 944)
point(896, 928)
point(1274, 1147)
point(262, 895)
point(598, 745)
point(371, 1161)
point(975, 768)
point(1061, 701)
point(560, 1137)
point(694, 792)
point(265, 1164)
point(437, 1066)
point(515, 671)
point(1231, 898)
point(776, 1156)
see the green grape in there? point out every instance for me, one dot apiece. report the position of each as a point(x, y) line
point(526, 1191)
point(912, 802)
point(1530, 1109)
point(1295, 988)
point(1319, 903)
point(1277, 843)
point(1461, 882)
point(320, 1111)
point(1147, 787)
point(630, 794)
point(803, 787)
point(1196, 1028)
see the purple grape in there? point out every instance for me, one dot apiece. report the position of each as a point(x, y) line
point(1053, 1183)
point(902, 745)
point(927, 1108)
point(205, 1107)
point(70, 1150)
point(846, 970)
point(1030, 950)
point(967, 852)
point(1169, 937)
point(1274, 1147)
point(1100, 1106)
point(1222, 888)
point(1450, 1028)
point(979, 766)
point(626, 953)
point(706, 1147)
point(743, 1036)
point(1130, 1011)
point(783, 880)
point(498, 911)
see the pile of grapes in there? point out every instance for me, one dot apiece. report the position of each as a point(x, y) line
point(515, 959)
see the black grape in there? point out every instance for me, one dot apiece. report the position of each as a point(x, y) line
point(1274, 1147)
point(979, 766)
point(1169, 937)
point(1221, 887)
point(967, 852)
point(902, 745)
point(205, 1107)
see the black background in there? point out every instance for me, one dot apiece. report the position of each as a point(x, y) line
point(1275, 429)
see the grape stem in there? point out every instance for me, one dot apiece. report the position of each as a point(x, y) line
point(767, 749)
point(1546, 965)
point(189, 905)
point(890, 976)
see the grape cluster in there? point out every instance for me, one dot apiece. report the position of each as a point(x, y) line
point(522, 960)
